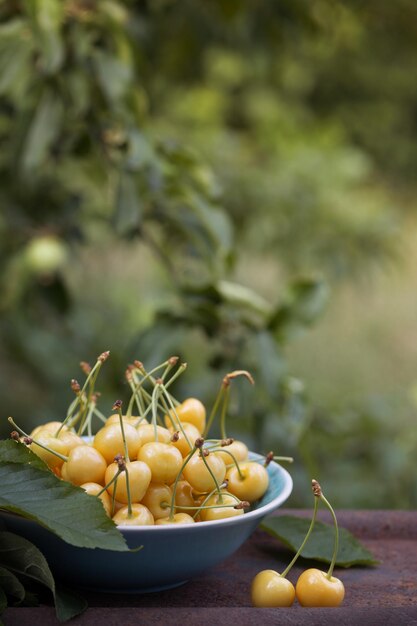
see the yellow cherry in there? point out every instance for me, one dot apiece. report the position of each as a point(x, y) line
point(158, 499)
point(70, 439)
point(85, 464)
point(179, 518)
point(109, 441)
point(115, 419)
point(220, 512)
point(270, 590)
point(253, 483)
point(163, 459)
point(141, 516)
point(49, 440)
point(50, 427)
point(199, 477)
point(313, 588)
point(147, 434)
point(238, 449)
point(184, 496)
point(139, 480)
point(181, 444)
point(191, 411)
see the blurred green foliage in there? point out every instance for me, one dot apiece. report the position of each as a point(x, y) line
point(191, 178)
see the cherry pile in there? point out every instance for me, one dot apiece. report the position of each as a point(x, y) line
point(152, 463)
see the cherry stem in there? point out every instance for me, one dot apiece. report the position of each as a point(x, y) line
point(109, 484)
point(284, 459)
point(178, 373)
point(85, 414)
point(201, 507)
point(122, 428)
point(223, 449)
point(89, 419)
point(208, 496)
point(155, 394)
point(178, 424)
point(41, 445)
point(214, 410)
point(300, 549)
point(226, 398)
point(100, 415)
point(78, 399)
point(180, 370)
point(137, 386)
point(212, 475)
point(174, 491)
point(148, 398)
point(222, 392)
point(134, 397)
point(336, 537)
point(129, 497)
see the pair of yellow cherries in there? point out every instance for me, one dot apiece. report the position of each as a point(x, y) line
point(314, 588)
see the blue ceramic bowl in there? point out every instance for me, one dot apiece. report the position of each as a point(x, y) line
point(171, 555)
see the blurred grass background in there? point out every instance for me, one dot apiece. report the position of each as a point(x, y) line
point(228, 181)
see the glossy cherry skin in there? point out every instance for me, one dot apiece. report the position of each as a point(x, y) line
point(158, 499)
point(147, 434)
point(270, 590)
point(238, 449)
point(192, 433)
point(192, 411)
point(70, 439)
point(199, 477)
point(109, 441)
point(184, 496)
point(49, 440)
point(85, 465)
point(253, 484)
point(141, 516)
point(50, 427)
point(220, 512)
point(179, 518)
point(313, 588)
point(139, 481)
point(163, 460)
point(115, 419)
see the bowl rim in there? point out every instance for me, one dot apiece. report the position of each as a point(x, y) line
point(236, 520)
point(239, 519)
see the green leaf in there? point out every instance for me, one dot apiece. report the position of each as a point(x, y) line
point(11, 585)
point(68, 603)
point(23, 558)
point(291, 531)
point(214, 220)
point(128, 211)
point(43, 130)
point(37, 494)
point(11, 452)
point(303, 304)
point(241, 296)
point(46, 18)
point(3, 600)
point(114, 75)
point(15, 54)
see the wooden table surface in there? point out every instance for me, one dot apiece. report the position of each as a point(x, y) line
point(382, 596)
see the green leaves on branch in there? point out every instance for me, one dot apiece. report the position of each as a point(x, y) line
point(291, 530)
point(302, 304)
point(31, 490)
point(20, 559)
